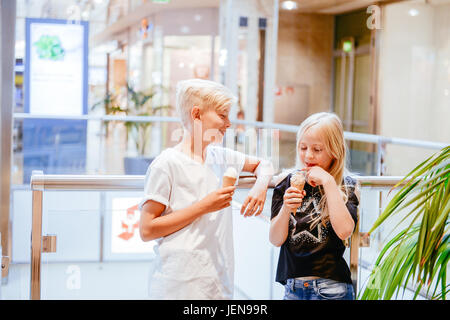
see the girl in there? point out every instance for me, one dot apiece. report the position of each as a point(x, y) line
point(310, 225)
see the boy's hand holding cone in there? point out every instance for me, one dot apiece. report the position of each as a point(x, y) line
point(221, 198)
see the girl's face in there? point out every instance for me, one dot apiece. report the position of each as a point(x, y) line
point(312, 151)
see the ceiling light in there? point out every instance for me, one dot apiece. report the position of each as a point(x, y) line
point(413, 12)
point(289, 5)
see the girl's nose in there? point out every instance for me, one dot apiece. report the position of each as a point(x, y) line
point(227, 123)
point(308, 154)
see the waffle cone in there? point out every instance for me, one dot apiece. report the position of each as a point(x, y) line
point(298, 181)
point(228, 181)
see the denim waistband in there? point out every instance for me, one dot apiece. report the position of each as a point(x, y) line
point(318, 288)
point(297, 283)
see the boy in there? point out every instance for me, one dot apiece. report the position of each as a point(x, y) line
point(186, 208)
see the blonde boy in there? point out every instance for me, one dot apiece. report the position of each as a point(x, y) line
point(186, 209)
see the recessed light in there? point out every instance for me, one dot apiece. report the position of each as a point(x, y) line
point(289, 5)
point(413, 12)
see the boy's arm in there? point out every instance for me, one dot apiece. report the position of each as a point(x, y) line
point(263, 170)
point(153, 226)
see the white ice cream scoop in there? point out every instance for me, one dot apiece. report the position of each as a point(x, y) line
point(229, 177)
point(231, 172)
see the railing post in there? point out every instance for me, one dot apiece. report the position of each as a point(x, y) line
point(7, 60)
point(36, 243)
point(379, 158)
point(272, 273)
point(1, 256)
point(354, 256)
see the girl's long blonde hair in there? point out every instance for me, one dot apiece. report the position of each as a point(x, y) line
point(332, 132)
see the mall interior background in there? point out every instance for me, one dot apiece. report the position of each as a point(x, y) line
point(383, 67)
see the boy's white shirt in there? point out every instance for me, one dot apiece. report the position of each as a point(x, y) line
point(196, 262)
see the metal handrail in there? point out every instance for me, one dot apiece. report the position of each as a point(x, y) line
point(354, 136)
point(41, 182)
point(129, 183)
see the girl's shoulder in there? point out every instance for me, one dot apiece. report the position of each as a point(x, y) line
point(353, 188)
point(350, 181)
point(352, 184)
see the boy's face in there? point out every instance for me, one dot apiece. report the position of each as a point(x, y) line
point(214, 125)
point(312, 151)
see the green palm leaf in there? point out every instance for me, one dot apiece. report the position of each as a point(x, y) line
point(418, 255)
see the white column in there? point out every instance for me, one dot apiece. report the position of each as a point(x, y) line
point(270, 64)
point(230, 11)
point(252, 67)
point(230, 45)
point(157, 80)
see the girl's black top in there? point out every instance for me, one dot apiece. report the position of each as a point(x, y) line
point(317, 252)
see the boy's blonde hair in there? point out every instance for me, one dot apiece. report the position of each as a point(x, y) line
point(332, 133)
point(205, 94)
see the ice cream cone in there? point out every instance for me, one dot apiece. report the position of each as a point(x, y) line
point(298, 180)
point(228, 181)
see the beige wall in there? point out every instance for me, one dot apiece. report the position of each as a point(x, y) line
point(304, 63)
point(303, 74)
point(414, 81)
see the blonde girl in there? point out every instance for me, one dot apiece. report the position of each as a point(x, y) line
point(310, 226)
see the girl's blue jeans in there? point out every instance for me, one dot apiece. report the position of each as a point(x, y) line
point(317, 289)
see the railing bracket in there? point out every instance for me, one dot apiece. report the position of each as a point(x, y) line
point(49, 243)
point(5, 266)
point(364, 240)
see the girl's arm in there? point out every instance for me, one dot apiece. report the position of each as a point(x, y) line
point(153, 226)
point(340, 218)
point(279, 225)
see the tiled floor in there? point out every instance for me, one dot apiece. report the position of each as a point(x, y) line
point(95, 281)
point(91, 281)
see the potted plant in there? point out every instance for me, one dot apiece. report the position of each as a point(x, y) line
point(419, 253)
point(111, 106)
point(140, 104)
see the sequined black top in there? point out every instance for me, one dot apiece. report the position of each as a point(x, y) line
point(316, 251)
